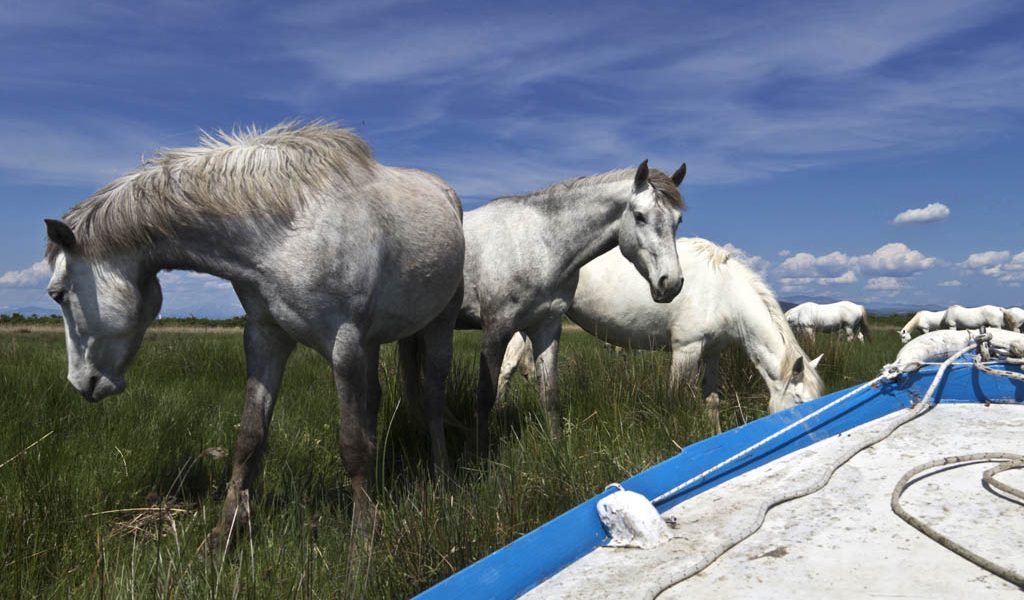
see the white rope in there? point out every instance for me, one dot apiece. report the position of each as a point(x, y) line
point(663, 582)
point(1011, 461)
point(672, 492)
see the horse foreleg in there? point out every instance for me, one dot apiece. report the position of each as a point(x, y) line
point(267, 349)
point(350, 363)
point(712, 360)
point(545, 338)
point(492, 349)
point(685, 360)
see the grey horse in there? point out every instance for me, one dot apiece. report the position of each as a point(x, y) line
point(323, 245)
point(524, 254)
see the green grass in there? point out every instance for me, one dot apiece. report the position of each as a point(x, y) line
point(144, 449)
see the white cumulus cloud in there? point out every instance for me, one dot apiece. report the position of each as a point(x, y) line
point(985, 259)
point(936, 211)
point(895, 260)
point(33, 276)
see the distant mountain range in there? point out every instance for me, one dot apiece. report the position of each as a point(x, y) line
point(29, 311)
point(878, 308)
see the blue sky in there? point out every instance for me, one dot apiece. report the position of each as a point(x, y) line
point(807, 127)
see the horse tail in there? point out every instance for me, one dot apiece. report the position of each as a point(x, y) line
point(864, 324)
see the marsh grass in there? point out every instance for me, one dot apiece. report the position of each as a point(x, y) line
point(116, 500)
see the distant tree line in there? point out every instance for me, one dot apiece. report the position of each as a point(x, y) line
point(20, 319)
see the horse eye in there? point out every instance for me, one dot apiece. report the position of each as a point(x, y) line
point(640, 219)
point(58, 296)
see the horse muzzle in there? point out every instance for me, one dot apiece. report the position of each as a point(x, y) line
point(666, 289)
point(97, 387)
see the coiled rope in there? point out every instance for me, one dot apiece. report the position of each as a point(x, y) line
point(1012, 461)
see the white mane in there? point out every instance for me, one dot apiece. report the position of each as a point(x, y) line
point(719, 258)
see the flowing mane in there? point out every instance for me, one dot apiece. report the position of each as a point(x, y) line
point(720, 258)
point(268, 175)
point(666, 191)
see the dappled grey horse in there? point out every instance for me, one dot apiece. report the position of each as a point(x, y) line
point(324, 246)
point(523, 257)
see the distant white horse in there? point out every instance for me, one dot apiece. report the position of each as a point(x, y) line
point(958, 317)
point(922, 322)
point(324, 246)
point(844, 316)
point(1013, 318)
point(524, 253)
point(724, 302)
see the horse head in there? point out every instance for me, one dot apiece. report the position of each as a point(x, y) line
point(107, 304)
point(647, 230)
point(803, 384)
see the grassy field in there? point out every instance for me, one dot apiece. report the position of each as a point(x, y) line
point(115, 498)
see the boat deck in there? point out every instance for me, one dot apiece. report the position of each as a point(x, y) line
point(843, 541)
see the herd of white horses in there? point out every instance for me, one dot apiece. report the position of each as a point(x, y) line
point(326, 247)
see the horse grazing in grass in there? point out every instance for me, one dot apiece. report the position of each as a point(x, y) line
point(724, 303)
point(922, 322)
point(524, 254)
point(845, 316)
point(323, 245)
point(988, 315)
point(1013, 319)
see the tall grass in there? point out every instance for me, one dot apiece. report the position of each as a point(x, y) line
point(116, 500)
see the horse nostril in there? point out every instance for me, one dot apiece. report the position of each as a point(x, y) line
point(663, 282)
point(92, 384)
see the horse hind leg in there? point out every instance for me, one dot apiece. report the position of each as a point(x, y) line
point(267, 348)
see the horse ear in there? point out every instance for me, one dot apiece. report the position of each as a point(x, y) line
point(678, 176)
point(59, 233)
point(642, 173)
point(814, 363)
point(798, 367)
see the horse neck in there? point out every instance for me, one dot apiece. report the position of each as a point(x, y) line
point(584, 223)
point(230, 253)
point(768, 348)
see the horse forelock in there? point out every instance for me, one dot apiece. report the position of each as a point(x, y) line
point(265, 175)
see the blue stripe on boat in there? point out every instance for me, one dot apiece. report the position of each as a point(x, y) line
point(521, 565)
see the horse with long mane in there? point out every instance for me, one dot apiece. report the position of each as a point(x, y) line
point(844, 315)
point(524, 254)
point(724, 303)
point(959, 317)
point(922, 322)
point(323, 245)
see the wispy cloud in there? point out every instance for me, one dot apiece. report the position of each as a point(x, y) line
point(936, 211)
point(34, 276)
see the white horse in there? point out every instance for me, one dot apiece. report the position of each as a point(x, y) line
point(524, 253)
point(724, 303)
point(958, 317)
point(324, 246)
point(922, 322)
point(844, 316)
point(1013, 318)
